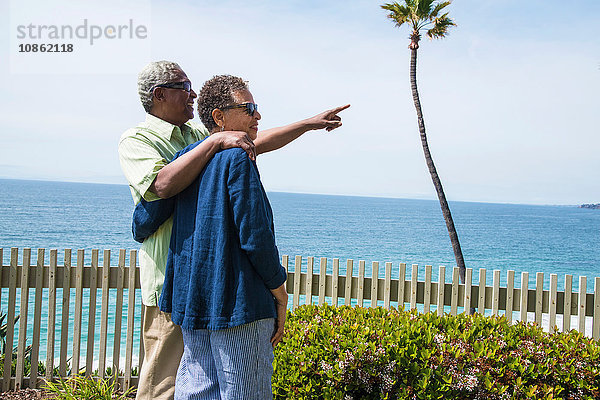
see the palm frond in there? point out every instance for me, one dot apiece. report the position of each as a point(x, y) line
point(423, 9)
point(440, 27)
point(421, 14)
point(438, 7)
point(400, 14)
point(412, 4)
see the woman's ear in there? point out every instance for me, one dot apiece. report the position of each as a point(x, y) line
point(219, 118)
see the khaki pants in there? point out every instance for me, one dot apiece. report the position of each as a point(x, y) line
point(163, 347)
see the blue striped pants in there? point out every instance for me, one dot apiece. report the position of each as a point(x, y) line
point(234, 363)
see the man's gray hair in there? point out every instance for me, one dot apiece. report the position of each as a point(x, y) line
point(155, 73)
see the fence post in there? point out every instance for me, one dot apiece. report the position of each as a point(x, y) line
point(441, 287)
point(581, 303)
point(413, 286)
point(553, 297)
point(335, 281)
point(64, 325)
point(51, 315)
point(539, 297)
point(454, 297)
point(524, 295)
point(596, 326)
point(10, 318)
point(374, 283)
point(348, 291)
point(361, 282)
point(89, 354)
point(510, 286)
point(310, 262)
point(496, 292)
point(482, 283)
point(427, 291)
point(401, 285)
point(322, 279)
point(78, 310)
point(131, 317)
point(568, 303)
point(387, 289)
point(37, 318)
point(297, 276)
point(104, 313)
point(118, 317)
point(468, 288)
point(23, 318)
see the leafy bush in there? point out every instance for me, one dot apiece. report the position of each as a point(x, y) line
point(78, 387)
point(373, 353)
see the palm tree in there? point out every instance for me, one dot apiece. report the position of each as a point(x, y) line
point(426, 14)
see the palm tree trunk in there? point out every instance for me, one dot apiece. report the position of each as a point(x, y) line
point(460, 262)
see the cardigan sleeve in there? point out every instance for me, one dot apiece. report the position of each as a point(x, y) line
point(253, 219)
point(148, 216)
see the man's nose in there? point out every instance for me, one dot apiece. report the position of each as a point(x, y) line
point(193, 94)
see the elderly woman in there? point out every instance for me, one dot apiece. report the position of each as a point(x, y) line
point(224, 284)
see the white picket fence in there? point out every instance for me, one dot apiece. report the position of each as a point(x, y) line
point(41, 282)
point(454, 295)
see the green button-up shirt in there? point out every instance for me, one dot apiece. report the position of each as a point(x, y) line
point(143, 151)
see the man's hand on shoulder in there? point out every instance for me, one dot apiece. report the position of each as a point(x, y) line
point(178, 174)
point(231, 139)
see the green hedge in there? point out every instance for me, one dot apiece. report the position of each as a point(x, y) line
point(363, 353)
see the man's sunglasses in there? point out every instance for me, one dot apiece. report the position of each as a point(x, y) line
point(250, 108)
point(185, 85)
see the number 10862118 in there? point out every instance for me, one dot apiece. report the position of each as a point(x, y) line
point(46, 48)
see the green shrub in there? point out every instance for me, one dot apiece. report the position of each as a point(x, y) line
point(373, 353)
point(78, 387)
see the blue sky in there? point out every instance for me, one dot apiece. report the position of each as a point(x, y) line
point(510, 98)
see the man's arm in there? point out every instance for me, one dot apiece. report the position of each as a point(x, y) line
point(275, 138)
point(148, 216)
point(177, 175)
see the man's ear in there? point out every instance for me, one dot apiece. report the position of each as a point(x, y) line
point(218, 117)
point(158, 94)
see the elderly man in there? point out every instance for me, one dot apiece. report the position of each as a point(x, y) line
point(144, 152)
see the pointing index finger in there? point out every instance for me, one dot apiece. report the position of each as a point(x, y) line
point(339, 109)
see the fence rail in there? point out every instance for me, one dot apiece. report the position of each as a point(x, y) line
point(42, 282)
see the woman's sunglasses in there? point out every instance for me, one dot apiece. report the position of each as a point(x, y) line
point(250, 108)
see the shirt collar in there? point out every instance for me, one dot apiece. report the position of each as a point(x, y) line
point(164, 128)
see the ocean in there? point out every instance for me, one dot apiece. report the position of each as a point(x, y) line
point(523, 238)
point(550, 239)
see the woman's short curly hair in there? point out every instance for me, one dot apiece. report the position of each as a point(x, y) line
point(217, 92)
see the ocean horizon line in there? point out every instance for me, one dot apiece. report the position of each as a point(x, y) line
point(374, 196)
